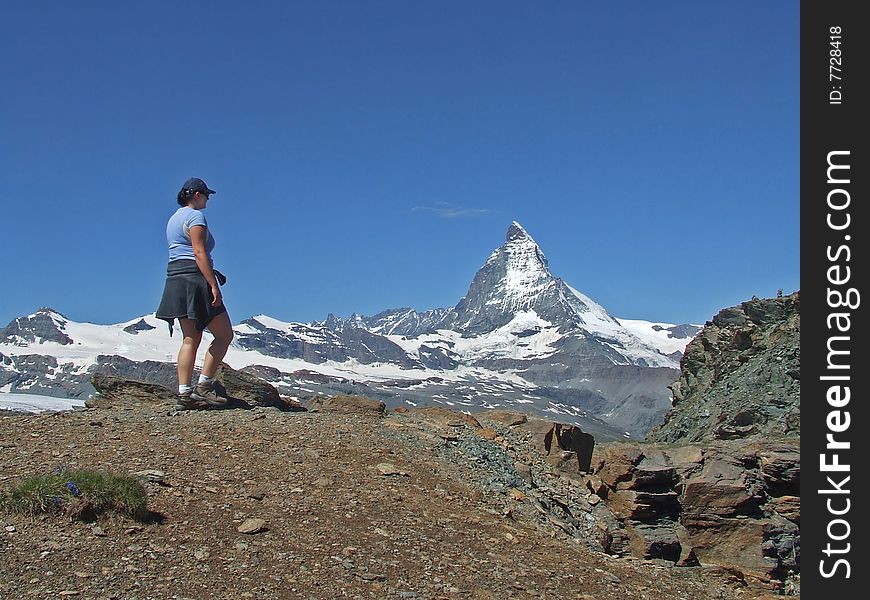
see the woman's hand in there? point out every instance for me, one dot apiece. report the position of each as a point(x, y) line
point(216, 294)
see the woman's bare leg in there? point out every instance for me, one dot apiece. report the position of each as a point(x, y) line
point(222, 330)
point(187, 353)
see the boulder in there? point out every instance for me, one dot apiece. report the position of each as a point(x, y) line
point(246, 389)
point(566, 447)
point(353, 405)
point(117, 391)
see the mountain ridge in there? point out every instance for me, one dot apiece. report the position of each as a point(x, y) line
point(519, 337)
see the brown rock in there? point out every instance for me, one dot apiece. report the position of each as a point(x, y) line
point(247, 388)
point(596, 486)
point(643, 505)
point(552, 439)
point(788, 507)
point(354, 405)
point(251, 526)
point(574, 439)
point(731, 542)
point(685, 459)
point(525, 471)
point(781, 470)
point(687, 558)
point(118, 391)
point(617, 463)
point(517, 495)
point(723, 488)
point(390, 469)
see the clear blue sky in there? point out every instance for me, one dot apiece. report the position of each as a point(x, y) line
point(370, 155)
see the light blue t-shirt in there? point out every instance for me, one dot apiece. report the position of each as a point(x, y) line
point(178, 234)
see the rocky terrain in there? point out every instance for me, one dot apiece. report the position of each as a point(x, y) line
point(740, 377)
point(346, 499)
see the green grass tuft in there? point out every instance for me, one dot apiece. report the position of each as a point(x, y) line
point(80, 493)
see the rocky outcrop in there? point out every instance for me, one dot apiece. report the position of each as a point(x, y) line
point(740, 377)
point(243, 390)
point(115, 391)
point(727, 504)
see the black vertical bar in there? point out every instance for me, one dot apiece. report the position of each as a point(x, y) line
point(834, 228)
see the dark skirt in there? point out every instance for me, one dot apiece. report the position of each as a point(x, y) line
point(187, 295)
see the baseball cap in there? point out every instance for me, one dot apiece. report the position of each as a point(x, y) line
point(195, 184)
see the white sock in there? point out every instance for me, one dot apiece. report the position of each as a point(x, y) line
point(183, 389)
point(204, 379)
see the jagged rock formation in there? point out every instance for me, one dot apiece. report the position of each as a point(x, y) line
point(740, 376)
point(730, 504)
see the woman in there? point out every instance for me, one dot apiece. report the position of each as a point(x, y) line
point(192, 296)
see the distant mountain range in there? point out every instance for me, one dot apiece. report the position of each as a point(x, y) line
point(520, 338)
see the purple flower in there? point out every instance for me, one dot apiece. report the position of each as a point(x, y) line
point(73, 488)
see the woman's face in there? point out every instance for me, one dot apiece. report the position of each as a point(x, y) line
point(200, 199)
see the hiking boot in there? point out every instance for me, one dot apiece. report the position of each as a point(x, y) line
point(204, 392)
point(186, 402)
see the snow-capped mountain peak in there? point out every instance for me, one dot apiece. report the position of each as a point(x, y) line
point(517, 232)
point(514, 279)
point(526, 268)
point(45, 325)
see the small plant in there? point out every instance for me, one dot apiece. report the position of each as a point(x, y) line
point(79, 493)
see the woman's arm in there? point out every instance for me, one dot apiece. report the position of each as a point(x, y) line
point(198, 236)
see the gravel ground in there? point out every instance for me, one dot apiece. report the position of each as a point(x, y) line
point(352, 506)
